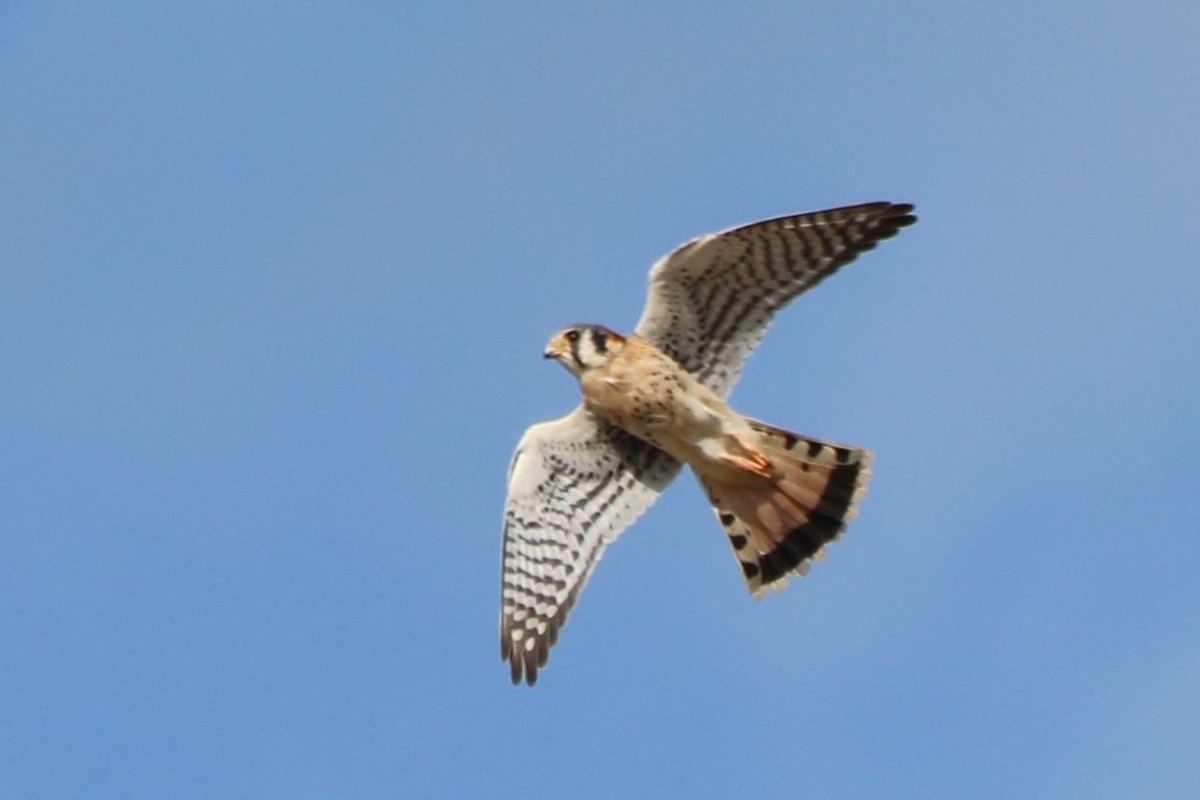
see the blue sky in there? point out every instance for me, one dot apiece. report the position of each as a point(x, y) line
point(275, 282)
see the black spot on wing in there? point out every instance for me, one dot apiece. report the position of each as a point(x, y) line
point(721, 291)
point(552, 543)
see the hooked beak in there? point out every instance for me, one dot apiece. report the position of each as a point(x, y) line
point(553, 349)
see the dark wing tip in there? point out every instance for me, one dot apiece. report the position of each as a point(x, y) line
point(884, 208)
point(901, 220)
point(900, 215)
point(889, 218)
point(523, 664)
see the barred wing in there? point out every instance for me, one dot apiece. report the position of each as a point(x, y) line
point(574, 485)
point(712, 299)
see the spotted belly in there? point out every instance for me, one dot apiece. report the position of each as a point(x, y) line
point(659, 408)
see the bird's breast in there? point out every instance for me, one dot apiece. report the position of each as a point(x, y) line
point(655, 399)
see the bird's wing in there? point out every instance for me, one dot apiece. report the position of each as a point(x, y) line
point(574, 484)
point(712, 299)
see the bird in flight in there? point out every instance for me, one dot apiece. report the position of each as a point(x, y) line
point(655, 399)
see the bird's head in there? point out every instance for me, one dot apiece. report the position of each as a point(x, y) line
point(583, 347)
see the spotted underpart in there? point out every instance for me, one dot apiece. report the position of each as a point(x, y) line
point(576, 483)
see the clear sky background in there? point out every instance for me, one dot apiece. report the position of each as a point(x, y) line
point(274, 283)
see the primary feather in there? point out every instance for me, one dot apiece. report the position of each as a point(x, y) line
point(656, 400)
point(711, 300)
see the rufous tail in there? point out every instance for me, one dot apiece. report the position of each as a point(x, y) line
point(781, 525)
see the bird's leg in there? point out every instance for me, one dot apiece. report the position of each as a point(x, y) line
point(749, 459)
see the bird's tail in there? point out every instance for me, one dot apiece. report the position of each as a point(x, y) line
point(782, 525)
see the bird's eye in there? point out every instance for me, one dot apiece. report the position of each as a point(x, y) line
point(572, 336)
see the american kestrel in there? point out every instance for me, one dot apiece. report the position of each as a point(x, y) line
point(655, 399)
